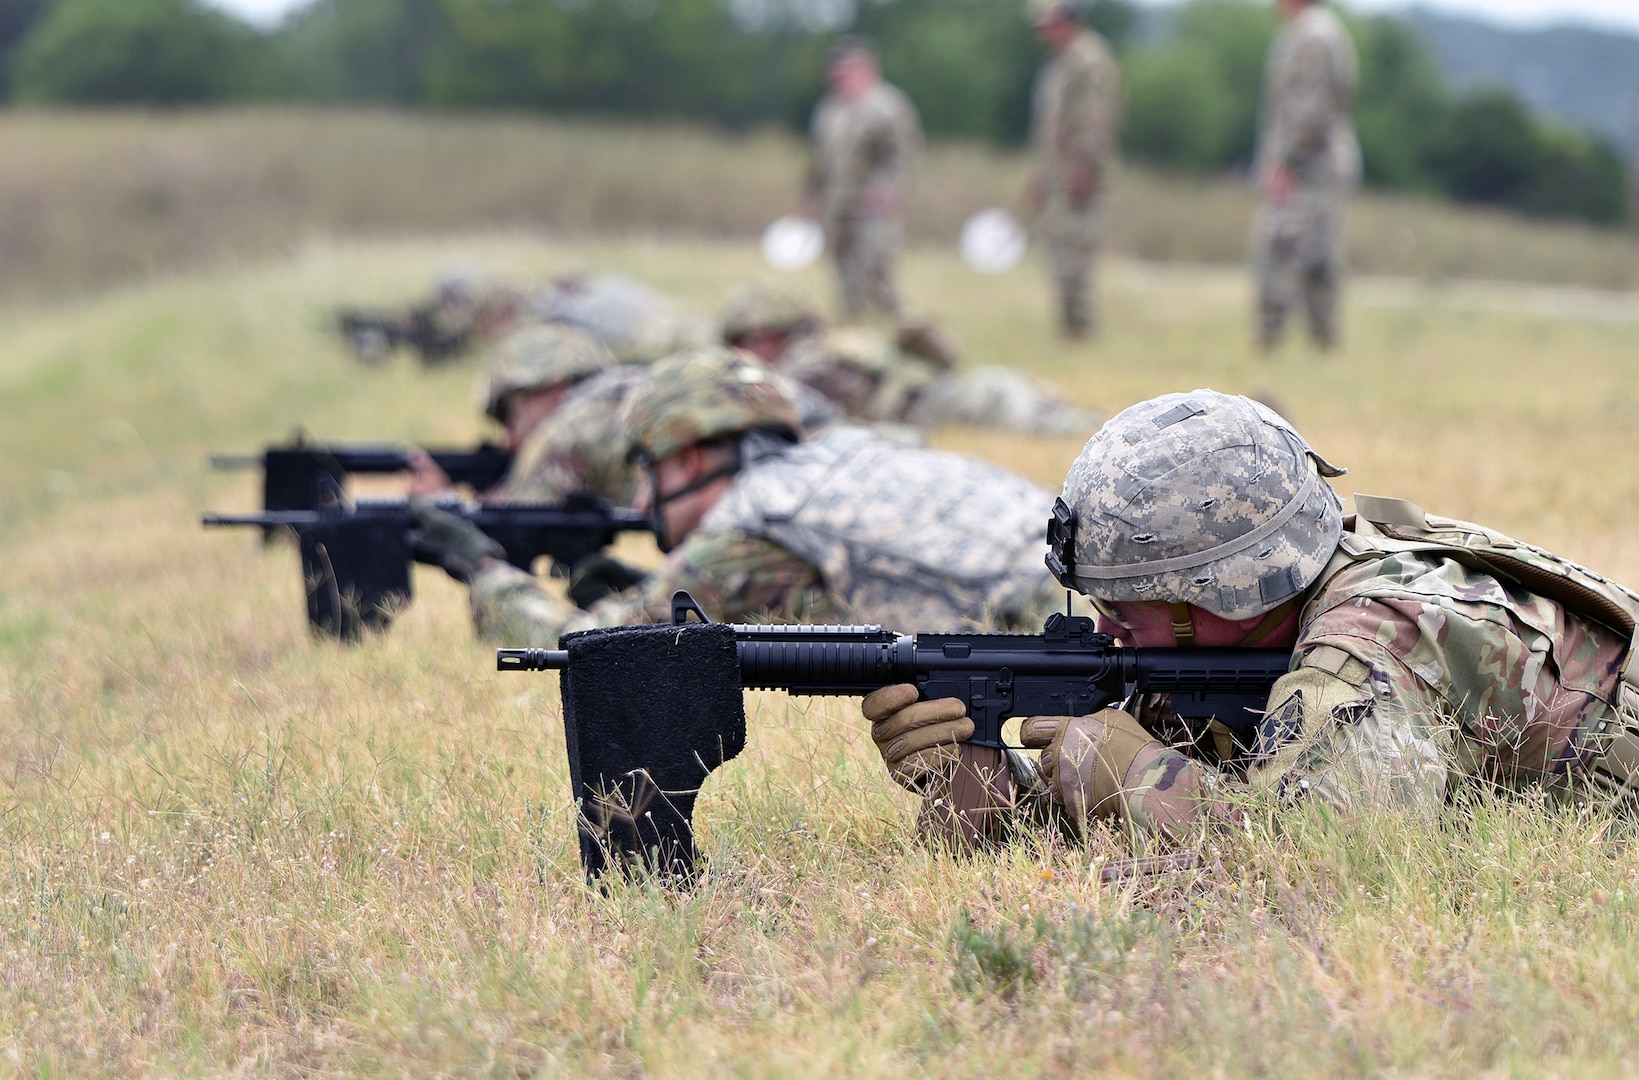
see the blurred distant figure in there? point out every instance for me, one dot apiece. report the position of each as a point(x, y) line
point(638, 323)
point(466, 312)
point(1077, 118)
point(1308, 160)
point(866, 137)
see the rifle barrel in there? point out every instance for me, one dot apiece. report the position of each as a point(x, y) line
point(531, 659)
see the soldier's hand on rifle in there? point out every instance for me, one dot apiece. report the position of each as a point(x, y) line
point(917, 739)
point(599, 576)
point(426, 478)
point(441, 538)
point(1085, 759)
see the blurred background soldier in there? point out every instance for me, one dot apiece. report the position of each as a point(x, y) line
point(1308, 160)
point(760, 519)
point(911, 378)
point(1076, 121)
point(765, 319)
point(467, 312)
point(866, 137)
point(559, 394)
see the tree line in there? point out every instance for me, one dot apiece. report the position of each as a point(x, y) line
point(1193, 75)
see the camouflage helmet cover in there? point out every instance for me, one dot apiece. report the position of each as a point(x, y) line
point(704, 394)
point(766, 308)
point(540, 357)
point(1203, 498)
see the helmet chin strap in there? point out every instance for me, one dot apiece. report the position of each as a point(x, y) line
point(657, 515)
point(1183, 626)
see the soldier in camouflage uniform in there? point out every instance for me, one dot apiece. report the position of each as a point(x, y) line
point(1308, 160)
point(1426, 652)
point(866, 138)
point(559, 394)
point(1075, 127)
point(766, 321)
point(466, 313)
point(911, 380)
point(760, 521)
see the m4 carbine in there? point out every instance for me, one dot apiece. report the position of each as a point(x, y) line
point(312, 476)
point(356, 558)
point(640, 747)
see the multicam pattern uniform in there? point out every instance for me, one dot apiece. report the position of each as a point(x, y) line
point(1297, 244)
point(863, 154)
point(581, 447)
point(845, 527)
point(636, 322)
point(1076, 121)
point(1414, 672)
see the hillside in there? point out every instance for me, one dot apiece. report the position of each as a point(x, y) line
point(1578, 75)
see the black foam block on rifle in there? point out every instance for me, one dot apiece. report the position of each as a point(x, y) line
point(648, 712)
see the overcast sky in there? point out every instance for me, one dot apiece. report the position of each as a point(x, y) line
point(1613, 13)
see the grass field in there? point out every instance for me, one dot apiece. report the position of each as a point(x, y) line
point(229, 850)
point(91, 199)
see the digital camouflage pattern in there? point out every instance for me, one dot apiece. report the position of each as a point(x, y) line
point(1297, 238)
point(635, 321)
point(1076, 125)
point(540, 357)
point(864, 151)
point(703, 394)
point(1002, 398)
point(905, 537)
point(921, 555)
point(1205, 498)
point(582, 447)
point(876, 380)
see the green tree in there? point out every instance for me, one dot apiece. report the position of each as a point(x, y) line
point(361, 50)
point(155, 52)
point(1400, 111)
point(1179, 113)
point(17, 18)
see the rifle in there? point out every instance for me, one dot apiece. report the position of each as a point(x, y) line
point(640, 747)
point(356, 559)
point(372, 335)
point(310, 476)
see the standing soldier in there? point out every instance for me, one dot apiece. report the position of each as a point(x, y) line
point(1308, 159)
point(1077, 118)
point(866, 136)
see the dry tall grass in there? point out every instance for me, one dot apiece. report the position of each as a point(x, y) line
point(230, 850)
point(87, 199)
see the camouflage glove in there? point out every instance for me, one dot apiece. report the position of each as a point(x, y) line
point(599, 576)
point(917, 739)
point(1085, 759)
point(442, 539)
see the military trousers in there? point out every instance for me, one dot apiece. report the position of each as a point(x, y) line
point(1297, 262)
point(866, 251)
point(1071, 236)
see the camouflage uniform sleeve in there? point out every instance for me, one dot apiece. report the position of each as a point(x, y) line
point(1304, 105)
point(1357, 729)
point(734, 577)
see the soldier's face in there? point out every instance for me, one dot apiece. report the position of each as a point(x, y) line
point(851, 74)
point(527, 410)
point(1055, 32)
point(1149, 626)
point(679, 491)
point(766, 345)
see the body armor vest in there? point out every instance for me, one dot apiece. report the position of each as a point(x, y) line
point(913, 539)
point(1385, 526)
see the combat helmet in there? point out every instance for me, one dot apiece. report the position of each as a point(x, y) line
point(703, 394)
point(763, 308)
point(540, 357)
point(1199, 498)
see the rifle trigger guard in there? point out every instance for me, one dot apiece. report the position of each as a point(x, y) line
point(682, 605)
